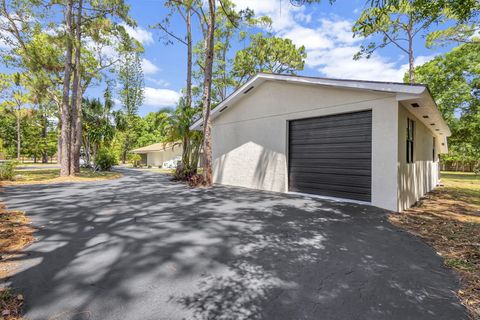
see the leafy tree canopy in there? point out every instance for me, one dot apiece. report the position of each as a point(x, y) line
point(268, 54)
point(454, 80)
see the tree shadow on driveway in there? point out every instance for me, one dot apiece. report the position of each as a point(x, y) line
point(143, 247)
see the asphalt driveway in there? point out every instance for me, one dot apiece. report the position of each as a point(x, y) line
point(143, 247)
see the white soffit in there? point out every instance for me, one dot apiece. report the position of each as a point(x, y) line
point(424, 108)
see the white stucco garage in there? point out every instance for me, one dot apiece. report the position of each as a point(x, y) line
point(367, 141)
point(156, 154)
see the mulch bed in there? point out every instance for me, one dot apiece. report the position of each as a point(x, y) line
point(15, 233)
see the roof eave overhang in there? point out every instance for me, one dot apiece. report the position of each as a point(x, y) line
point(406, 94)
point(231, 99)
point(424, 108)
point(143, 150)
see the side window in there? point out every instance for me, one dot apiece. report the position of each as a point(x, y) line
point(410, 139)
point(434, 152)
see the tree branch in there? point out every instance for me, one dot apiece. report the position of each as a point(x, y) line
point(394, 42)
point(234, 23)
point(171, 34)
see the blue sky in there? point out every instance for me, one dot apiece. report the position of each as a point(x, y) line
point(324, 29)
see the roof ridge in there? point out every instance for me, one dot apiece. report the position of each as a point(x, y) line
point(340, 79)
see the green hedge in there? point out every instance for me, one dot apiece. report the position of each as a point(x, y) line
point(105, 159)
point(7, 170)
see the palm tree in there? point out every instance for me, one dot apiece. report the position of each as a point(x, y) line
point(98, 123)
point(176, 125)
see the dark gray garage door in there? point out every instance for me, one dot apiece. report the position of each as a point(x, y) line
point(332, 155)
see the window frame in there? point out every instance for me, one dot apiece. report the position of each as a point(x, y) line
point(434, 150)
point(410, 141)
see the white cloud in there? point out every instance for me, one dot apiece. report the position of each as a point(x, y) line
point(161, 97)
point(338, 63)
point(330, 48)
point(281, 12)
point(329, 43)
point(158, 82)
point(302, 17)
point(423, 59)
point(308, 37)
point(148, 67)
point(145, 37)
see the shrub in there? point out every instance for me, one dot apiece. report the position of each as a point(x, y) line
point(476, 170)
point(7, 170)
point(105, 159)
point(183, 174)
point(196, 180)
point(135, 159)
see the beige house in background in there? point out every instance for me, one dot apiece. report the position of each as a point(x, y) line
point(156, 154)
point(367, 141)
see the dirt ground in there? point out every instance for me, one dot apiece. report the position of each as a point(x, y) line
point(449, 220)
point(15, 233)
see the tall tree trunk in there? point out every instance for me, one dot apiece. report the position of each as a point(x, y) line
point(189, 57)
point(66, 120)
point(188, 94)
point(76, 133)
point(59, 133)
point(411, 57)
point(59, 147)
point(86, 145)
point(124, 156)
point(207, 92)
point(19, 134)
point(223, 89)
point(44, 135)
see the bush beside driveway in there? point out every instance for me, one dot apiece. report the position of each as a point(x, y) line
point(143, 247)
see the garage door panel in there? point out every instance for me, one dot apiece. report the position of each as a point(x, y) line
point(333, 147)
point(351, 172)
point(331, 155)
point(331, 193)
point(332, 139)
point(356, 193)
point(333, 180)
point(331, 124)
point(344, 164)
point(347, 131)
point(337, 119)
point(336, 188)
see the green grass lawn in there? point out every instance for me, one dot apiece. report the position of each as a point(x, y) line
point(53, 175)
point(38, 164)
point(463, 185)
point(469, 178)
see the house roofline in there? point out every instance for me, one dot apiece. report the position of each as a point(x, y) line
point(347, 80)
point(403, 91)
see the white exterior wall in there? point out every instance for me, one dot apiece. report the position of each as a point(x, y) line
point(417, 178)
point(250, 140)
point(157, 158)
